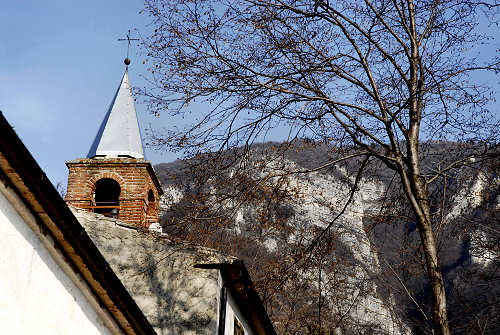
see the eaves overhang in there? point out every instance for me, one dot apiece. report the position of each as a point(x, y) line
point(237, 279)
point(111, 162)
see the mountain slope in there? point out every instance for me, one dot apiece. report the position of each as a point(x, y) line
point(365, 273)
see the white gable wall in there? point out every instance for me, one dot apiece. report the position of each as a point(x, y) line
point(38, 296)
point(233, 311)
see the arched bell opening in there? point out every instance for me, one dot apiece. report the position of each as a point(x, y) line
point(151, 208)
point(106, 196)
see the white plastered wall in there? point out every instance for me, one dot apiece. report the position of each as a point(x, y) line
point(38, 296)
point(233, 311)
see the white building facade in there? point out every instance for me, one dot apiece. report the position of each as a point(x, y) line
point(40, 294)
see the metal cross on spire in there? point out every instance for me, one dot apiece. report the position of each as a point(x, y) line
point(128, 39)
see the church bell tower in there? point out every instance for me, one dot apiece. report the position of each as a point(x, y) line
point(115, 179)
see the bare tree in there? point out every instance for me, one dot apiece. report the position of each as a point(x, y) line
point(374, 78)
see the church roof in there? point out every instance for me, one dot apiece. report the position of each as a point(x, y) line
point(159, 273)
point(175, 282)
point(119, 133)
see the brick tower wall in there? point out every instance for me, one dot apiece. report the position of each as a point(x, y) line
point(135, 177)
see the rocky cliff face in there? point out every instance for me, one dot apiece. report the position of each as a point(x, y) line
point(365, 274)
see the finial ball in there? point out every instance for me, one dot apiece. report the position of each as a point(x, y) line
point(127, 61)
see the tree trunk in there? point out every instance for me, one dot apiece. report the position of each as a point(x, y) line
point(439, 315)
point(415, 189)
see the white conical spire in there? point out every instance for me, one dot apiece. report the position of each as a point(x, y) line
point(119, 133)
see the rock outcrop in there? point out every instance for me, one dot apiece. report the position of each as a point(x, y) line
point(373, 279)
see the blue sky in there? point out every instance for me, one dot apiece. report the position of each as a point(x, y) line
point(60, 66)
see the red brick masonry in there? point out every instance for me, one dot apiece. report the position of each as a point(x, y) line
point(136, 178)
